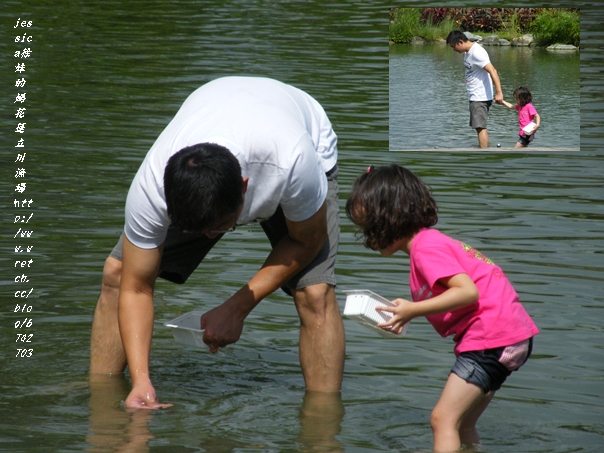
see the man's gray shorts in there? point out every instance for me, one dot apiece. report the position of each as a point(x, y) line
point(479, 113)
point(183, 252)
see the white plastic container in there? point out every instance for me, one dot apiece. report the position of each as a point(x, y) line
point(360, 307)
point(529, 128)
point(186, 329)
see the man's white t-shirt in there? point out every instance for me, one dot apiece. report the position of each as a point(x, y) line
point(478, 81)
point(280, 135)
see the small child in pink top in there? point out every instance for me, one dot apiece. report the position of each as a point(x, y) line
point(459, 290)
point(527, 115)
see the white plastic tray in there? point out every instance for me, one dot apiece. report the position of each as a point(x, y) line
point(186, 329)
point(529, 128)
point(360, 307)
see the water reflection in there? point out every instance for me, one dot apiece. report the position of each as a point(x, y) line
point(113, 429)
point(320, 421)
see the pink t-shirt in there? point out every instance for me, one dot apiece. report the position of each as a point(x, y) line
point(497, 319)
point(526, 114)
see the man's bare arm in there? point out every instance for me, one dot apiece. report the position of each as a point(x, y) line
point(136, 314)
point(495, 78)
point(293, 253)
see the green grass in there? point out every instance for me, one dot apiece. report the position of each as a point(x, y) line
point(511, 29)
point(404, 23)
point(433, 32)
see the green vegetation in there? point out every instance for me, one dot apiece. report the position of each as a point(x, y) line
point(431, 32)
point(549, 25)
point(512, 28)
point(404, 23)
point(557, 27)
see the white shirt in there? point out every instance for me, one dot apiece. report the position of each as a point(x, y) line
point(280, 135)
point(478, 81)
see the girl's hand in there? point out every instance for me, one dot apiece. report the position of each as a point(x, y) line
point(461, 292)
point(402, 313)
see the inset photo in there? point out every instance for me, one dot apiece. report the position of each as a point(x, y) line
point(499, 79)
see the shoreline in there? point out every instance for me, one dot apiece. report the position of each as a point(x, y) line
point(491, 149)
point(493, 40)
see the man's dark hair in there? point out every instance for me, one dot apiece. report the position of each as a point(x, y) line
point(389, 203)
point(203, 185)
point(455, 36)
point(524, 96)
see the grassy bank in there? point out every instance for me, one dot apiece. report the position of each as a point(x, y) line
point(548, 25)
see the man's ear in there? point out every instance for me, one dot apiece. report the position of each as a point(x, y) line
point(245, 181)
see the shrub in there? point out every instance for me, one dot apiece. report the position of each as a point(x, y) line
point(483, 19)
point(525, 16)
point(435, 15)
point(480, 19)
point(554, 26)
point(404, 22)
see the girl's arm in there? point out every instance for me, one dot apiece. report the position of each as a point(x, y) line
point(461, 292)
point(537, 120)
point(507, 104)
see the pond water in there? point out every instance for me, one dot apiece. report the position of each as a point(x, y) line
point(104, 81)
point(429, 102)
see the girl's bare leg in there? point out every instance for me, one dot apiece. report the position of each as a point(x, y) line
point(454, 418)
point(467, 431)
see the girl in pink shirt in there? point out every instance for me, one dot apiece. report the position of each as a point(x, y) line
point(527, 115)
point(459, 290)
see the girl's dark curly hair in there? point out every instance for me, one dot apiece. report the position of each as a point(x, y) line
point(389, 203)
point(523, 95)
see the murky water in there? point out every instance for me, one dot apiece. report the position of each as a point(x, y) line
point(105, 80)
